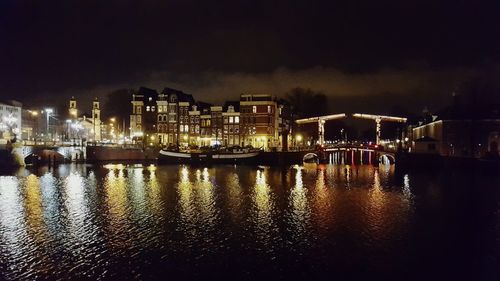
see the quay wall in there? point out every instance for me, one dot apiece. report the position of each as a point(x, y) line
point(118, 153)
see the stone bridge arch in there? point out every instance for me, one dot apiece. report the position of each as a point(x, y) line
point(386, 158)
point(310, 156)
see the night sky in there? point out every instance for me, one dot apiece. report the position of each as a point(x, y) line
point(359, 53)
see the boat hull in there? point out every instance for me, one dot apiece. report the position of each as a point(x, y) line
point(174, 157)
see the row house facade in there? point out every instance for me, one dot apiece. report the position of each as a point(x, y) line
point(259, 118)
point(143, 120)
point(194, 126)
point(174, 118)
point(205, 125)
point(231, 121)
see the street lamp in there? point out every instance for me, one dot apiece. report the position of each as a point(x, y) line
point(48, 111)
point(68, 122)
point(298, 139)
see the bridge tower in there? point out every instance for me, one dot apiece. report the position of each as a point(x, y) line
point(96, 120)
point(378, 119)
point(321, 120)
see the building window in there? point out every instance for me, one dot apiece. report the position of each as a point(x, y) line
point(236, 119)
point(254, 109)
point(231, 119)
point(148, 108)
point(138, 110)
point(268, 109)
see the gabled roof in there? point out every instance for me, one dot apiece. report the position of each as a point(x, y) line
point(147, 92)
point(203, 105)
point(235, 104)
point(181, 96)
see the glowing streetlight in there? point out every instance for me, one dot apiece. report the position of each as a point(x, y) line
point(48, 112)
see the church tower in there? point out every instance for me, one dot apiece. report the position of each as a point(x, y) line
point(96, 120)
point(72, 110)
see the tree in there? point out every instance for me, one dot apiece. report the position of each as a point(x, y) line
point(118, 105)
point(307, 102)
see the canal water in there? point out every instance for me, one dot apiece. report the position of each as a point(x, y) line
point(124, 222)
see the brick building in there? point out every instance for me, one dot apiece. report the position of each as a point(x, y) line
point(259, 121)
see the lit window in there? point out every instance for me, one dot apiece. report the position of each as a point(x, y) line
point(268, 109)
point(231, 119)
point(150, 98)
point(254, 109)
point(152, 108)
point(236, 119)
point(147, 108)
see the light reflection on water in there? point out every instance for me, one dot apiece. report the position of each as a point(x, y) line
point(120, 221)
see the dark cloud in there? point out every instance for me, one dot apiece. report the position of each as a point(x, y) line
point(344, 48)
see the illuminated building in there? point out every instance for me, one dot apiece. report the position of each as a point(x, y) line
point(231, 120)
point(461, 138)
point(217, 124)
point(10, 120)
point(143, 117)
point(173, 117)
point(194, 126)
point(259, 121)
point(205, 124)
